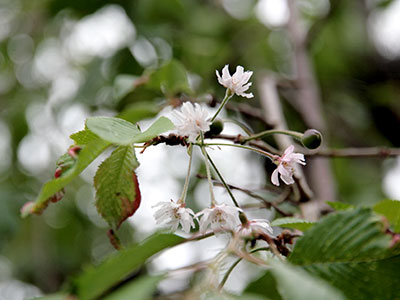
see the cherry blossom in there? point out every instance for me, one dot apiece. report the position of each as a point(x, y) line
point(285, 166)
point(255, 227)
point(172, 214)
point(237, 83)
point(190, 120)
point(219, 217)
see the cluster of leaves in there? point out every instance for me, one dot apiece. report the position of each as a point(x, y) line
point(117, 187)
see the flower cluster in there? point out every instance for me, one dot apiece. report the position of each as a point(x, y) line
point(192, 120)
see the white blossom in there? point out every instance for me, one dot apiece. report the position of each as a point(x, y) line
point(237, 83)
point(190, 120)
point(219, 217)
point(255, 227)
point(285, 166)
point(172, 214)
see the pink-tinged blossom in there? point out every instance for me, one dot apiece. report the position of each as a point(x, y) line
point(190, 120)
point(255, 227)
point(219, 217)
point(172, 214)
point(238, 82)
point(285, 166)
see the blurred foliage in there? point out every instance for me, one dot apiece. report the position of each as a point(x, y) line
point(44, 77)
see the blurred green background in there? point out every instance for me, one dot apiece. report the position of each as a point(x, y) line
point(61, 61)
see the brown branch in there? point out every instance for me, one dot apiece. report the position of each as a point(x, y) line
point(379, 152)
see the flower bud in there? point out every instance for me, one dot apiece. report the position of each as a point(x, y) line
point(311, 139)
point(216, 128)
point(26, 210)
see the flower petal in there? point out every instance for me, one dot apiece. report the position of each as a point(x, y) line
point(274, 177)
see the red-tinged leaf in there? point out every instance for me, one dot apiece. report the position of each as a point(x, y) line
point(128, 207)
point(117, 187)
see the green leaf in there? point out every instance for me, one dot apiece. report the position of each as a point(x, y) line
point(339, 205)
point(141, 288)
point(96, 280)
point(391, 210)
point(162, 124)
point(123, 85)
point(83, 137)
point(171, 78)
point(117, 188)
point(85, 156)
point(295, 283)
point(294, 223)
point(113, 130)
point(350, 250)
point(265, 285)
point(121, 132)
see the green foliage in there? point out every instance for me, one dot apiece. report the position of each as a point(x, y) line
point(294, 223)
point(161, 125)
point(85, 156)
point(350, 250)
point(142, 288)
point(265, 285)
point(117, 188)
point(121, 132)
point(339, 205)
point(295, 283)
point(113, 130)
point(83, 137)
point(391, 210)
point(170, 78)
point(97, 280)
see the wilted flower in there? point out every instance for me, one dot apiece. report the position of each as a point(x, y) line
point(191, 120)
point(255, 227)
point(285, 166)
point(237, 83)
point(219, 217)
point(172, 214)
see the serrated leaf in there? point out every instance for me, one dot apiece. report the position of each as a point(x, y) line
point(350, 250)
point(295, 283)
point(85, 156)
point(339, 205)
point(294, 223)
point(83, 137)
point(391, 210)
point(117, 188)
point(162, 124)
point(96, 280)
point(171, 78)
point(113, 130)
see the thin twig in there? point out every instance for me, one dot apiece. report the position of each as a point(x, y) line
point(253, 195)
point(380, 152)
